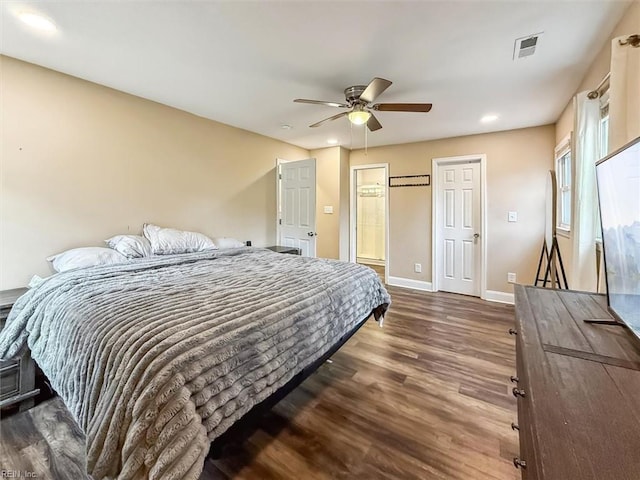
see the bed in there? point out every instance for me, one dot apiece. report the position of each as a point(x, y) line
point(157, 358)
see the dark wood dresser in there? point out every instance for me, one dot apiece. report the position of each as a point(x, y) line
point(577, 387)
point(17, 375)
point(281, 249)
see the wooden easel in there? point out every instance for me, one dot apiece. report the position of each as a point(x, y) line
point(550, 256)
point(551, 269)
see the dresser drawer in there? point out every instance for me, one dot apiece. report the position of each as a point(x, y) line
point(522, 393)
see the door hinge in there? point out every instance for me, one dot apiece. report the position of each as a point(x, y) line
point(279, 221)
point(280, 176)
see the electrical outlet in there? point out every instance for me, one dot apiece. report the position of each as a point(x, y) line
point(513, 216)
point(328, 209)
point(511, 277)
point(417, 267)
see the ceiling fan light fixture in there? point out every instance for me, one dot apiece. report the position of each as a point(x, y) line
point(359, 117)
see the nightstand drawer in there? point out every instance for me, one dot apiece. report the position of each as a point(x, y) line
point(17, 375)
point(9, 378)
point(4, 313)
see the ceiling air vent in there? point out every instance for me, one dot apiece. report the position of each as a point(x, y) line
point(526, 46)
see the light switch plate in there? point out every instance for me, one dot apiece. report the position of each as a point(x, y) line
point(513, 216)
point(328, 209)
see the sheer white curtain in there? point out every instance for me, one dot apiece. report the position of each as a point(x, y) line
point(624, 100)
point(586, 153)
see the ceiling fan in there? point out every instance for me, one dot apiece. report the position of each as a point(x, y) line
point(359, 99)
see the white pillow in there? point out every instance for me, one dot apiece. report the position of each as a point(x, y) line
point(85, 257)
point(167, 241)
point(227, 242)
point(131, 246)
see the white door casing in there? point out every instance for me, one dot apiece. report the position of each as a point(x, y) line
point(458, 226)
point(297, 205)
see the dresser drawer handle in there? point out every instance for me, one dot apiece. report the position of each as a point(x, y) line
point(518, 392)
point(519, 463)
point(513, 331)
point(514, 426)
point(514, 379)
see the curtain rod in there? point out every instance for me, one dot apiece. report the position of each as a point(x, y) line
point(633, 40)
point(595, 93)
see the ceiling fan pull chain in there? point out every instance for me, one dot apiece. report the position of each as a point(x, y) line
point(366, 137)
point(350, 135)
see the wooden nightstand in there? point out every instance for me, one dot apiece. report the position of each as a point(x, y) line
point(17, 375)
point(290, 250)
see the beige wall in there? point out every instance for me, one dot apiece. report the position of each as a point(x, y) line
point(81, 162)
point(332, 180)
point(628, 25)
point(345, 199)
point(517, 165)
point(327, 194)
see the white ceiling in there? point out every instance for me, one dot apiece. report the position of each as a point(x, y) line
point(242, 63)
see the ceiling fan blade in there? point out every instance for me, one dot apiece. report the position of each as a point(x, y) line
point(402, 107)
point(320, 102)
point(335, 117)
point(373, 124)
point(375, 88)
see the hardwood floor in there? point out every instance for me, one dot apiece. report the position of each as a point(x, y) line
point(425, 397)
point(43, 442)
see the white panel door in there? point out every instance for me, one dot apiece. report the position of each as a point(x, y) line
point(297, 223)
point(459, 229)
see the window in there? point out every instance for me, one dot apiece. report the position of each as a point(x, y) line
point(604, 124)
point(563, 178)
point(603, 149)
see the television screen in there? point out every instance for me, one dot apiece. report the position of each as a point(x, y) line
point(618, 177)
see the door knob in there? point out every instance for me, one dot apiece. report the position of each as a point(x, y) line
point(311, 234)
point(476, 235)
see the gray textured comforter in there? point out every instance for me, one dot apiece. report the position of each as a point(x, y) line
point(156, 358)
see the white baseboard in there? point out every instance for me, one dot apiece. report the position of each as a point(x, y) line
point(409, 283)
point(490, 295)
point(500, 297)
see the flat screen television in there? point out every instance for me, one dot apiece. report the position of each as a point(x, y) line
point(618, 179)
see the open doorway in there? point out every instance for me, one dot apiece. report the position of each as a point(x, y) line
point(369, 217)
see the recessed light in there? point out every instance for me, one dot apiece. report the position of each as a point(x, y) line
point(286, 126)
point(37, 21)
point(489, 118)
point(332, 141)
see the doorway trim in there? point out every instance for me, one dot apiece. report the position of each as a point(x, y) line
point(352, 213)
point(436, 163)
